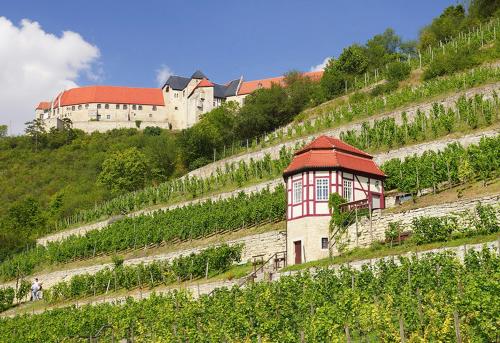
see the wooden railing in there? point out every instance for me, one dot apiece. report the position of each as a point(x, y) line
point(350, 206)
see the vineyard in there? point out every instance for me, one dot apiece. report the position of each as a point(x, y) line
point(450, 166)
point(189, 222)
point(207, 263)
point(467, 114)
point(432, 298)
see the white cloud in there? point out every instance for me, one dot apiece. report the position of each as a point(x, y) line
point(163, 74)
point(320, 66)
point(37, 65)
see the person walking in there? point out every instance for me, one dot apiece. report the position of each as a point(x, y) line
point(35, 288)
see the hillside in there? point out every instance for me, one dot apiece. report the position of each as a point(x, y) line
point(156, 235)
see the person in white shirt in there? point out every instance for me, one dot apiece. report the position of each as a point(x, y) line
point(35, 288)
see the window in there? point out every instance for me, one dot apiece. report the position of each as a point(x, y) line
point(134, 107)
point(140, 107)
point(72, 108)
point(176, 108)
point(321, 189)
point(106, 106)
point(297, 192)
point(150, 115)
point(79, 107)
point(324, 243)
point(347, 191)
point(98, 106)
point(154, 108)
point(108, 116)
point(125, 107)
point(86, 106)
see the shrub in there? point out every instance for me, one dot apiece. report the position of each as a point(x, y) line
point(393, 232)
point(433, 229)
point(450, 62)
point(398, 71)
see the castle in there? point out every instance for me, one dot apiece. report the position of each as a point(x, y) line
point(179, 104)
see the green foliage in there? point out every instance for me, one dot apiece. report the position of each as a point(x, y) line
point(393, 232)
point(7, 296)
point(398, 71)
point(339, 219)
point(452, 62)
point(3, 131)
point(447, 25)
point(124, 171)
point(193, 266)
point(189, 222)
point(421, 293)
point(452, 165)
point(433, 229)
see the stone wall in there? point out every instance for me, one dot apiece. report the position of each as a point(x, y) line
point(381, 219)
point(411, 112)
point(265, 244)
point(379, 159)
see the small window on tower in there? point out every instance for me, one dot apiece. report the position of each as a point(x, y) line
point(117, 106)
point(154, 108)
point(79, 107)
point(72, 108)
point(324, 243)
point(106, 106)
point(108, 116)
point(98, 106)
point(140, 107)
point(125, 107)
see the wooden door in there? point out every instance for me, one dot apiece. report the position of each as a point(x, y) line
point(298, 252)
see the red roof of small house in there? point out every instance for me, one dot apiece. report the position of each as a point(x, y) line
point(326, 153)
point(110, 94)
point(204, 83)
point(44, 105)
point(248, 87)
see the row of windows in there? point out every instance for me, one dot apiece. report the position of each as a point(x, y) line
point(107, 106)
point(108, 116)
point(322, 190)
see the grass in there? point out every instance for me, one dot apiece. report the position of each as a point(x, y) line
point(383, 250)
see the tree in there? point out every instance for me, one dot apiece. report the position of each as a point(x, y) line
point(26, 218)
point(353, 60)
point(124, 171)
point(447, 25)
point(333, 80)
point(36, 130)
point(382, 48)
point(3, 131)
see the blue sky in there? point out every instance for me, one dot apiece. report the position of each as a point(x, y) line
point(225, 39)
point(128, 42)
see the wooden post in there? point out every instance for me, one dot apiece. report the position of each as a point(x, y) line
point(457, 326)
point(206, 270)
point(347, 334)
point(357, 235)
point(401, 329)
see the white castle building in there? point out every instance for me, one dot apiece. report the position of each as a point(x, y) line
point(179, 104)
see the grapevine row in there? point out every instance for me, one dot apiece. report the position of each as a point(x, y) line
point(432, 298)
point(470, 113)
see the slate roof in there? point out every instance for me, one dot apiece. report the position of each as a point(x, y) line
point(177, 83)
point(326, 153)
point(198, 75)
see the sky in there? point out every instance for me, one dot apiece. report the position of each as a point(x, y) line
point(49, 46)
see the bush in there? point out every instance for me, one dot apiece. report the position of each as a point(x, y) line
point(450, 62)
point(398, 71)
point(433, 229)
point(384, 88)
point(393, 232)
point(486, 221)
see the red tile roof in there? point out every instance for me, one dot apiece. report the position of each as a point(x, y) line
point(330, 153)
point(328, 143)
point(248, 87)
point(110, 94)
point(204, 83)
point(44, 105)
